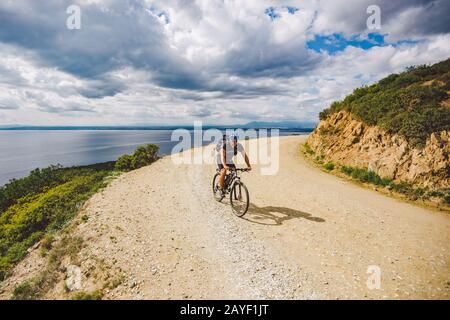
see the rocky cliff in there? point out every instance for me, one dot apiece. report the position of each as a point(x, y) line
point(343, 139)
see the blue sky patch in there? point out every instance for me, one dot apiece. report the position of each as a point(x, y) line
point(273, 12)
point(336, 42)
point(292, 10)
point(160, 14)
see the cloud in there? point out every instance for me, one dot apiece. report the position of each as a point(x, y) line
point(175, 61)
point(8, 104)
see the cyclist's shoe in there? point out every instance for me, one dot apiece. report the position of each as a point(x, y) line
point(221, 190)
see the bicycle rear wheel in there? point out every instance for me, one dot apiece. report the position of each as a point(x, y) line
point(217, 193)
point(239, 199)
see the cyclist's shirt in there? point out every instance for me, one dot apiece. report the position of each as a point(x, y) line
point(230, 152)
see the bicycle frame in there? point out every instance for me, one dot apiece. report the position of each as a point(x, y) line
point(231, 177)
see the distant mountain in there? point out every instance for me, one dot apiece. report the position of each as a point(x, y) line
point(288, 124)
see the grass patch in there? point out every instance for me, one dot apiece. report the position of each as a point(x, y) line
point(35, 288)
point(413, 193)
point(96, 295)
point(365, 176)
point(329, 166)
point(26, 291)
point(307, 149)
point(47, 244)
point(112, 284)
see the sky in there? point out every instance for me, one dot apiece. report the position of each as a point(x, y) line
point(217, 61)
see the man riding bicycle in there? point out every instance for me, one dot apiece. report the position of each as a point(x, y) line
point(225, 151)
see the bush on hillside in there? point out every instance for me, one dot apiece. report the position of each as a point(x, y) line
point(143, 156)
point(40, 180)
point(124, 163)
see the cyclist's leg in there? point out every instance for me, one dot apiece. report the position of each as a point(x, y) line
point(222, 175)
point(231, 166)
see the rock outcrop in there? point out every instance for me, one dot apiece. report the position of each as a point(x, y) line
point(347, 141)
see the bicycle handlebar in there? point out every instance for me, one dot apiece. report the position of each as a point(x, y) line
point(238, 169)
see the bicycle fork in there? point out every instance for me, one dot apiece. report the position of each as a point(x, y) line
point(237, 192)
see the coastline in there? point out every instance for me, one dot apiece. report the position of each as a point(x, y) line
point(41, 149)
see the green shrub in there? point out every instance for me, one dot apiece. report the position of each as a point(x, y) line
point(369, 176)
point(435, 193)
point(47, 243)
point(25, 291)
point(365, 176)
point(124, 163)
point(329, 166)
point(402, 187)
point(446, 199)
point(308, 149)
point(347, 170)
point(96, 295)
point(143, 156)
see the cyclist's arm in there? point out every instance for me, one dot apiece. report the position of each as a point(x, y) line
point(247, 160)
point(241, 150)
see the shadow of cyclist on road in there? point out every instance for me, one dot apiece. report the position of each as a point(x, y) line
point(277, 215)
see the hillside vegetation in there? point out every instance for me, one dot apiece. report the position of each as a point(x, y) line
point(45, 201)
point(413, 104)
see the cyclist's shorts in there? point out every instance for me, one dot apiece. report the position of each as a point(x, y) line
point(232, 166)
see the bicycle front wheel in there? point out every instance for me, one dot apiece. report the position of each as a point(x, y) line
point(239, 199)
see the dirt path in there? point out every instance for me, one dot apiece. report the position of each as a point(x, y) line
point(307, 235)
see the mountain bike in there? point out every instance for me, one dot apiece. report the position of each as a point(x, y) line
point(239, 197)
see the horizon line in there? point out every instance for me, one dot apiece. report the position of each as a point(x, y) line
point(251, 125)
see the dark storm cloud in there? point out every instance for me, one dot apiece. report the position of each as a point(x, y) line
point(102, 88)
point(433, 17)
point(125, 35)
